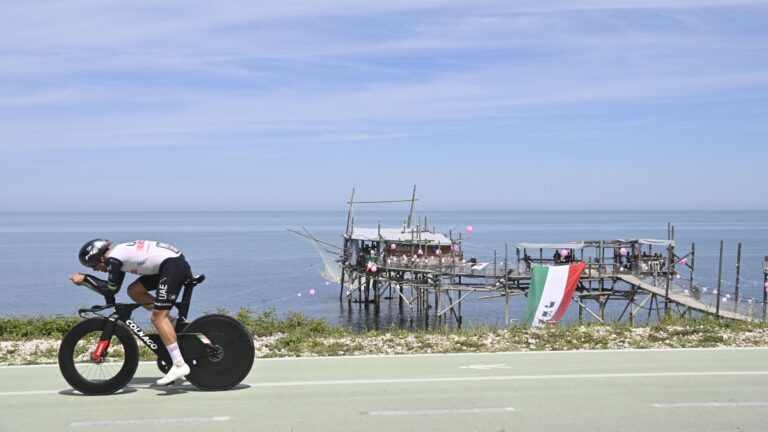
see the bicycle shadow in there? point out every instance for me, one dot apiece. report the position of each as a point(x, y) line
point(178, 387)
point(147, 383)
point(123, 391)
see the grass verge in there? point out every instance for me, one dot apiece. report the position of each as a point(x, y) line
point(35, 340)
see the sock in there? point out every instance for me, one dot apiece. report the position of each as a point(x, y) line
point(173, 350)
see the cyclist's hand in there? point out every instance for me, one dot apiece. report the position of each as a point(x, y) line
point(77, 278)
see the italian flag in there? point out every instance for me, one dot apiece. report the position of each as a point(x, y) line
point(551, 291)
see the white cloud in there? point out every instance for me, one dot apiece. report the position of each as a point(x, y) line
point(149, 73)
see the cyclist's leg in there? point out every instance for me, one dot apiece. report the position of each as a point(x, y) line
point(138, 291)
point(173, 273)
point(163, 325)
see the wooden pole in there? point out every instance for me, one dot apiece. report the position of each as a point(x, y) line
point(461, 319)
point(719, 280)
point(765, 285)
point(461, 255)
point(494, 263)
point(602, 263)
point(413, 204)
point(368, 283)
point(351, 289)
point(670, 271)
point(738, 273)
point(439, 287)
point(349, 214)
point(506, 285)
point(693, 263)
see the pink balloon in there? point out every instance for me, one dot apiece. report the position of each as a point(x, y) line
point(470, 229)
point(420, 252)
point(766, 287)
point(392, 246)
point(623, 251)
point(312, 292)
point(564, 253)
point(438, 252)
point(683, 261)
point(374, 268)
point(456, 247)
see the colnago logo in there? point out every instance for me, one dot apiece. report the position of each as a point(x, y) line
point(140, 333)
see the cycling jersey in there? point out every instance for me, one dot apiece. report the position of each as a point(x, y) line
point(160, 265)
point(142, 257)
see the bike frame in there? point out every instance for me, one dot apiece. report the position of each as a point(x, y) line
point(122, 313)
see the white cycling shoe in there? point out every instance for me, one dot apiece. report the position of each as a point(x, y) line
point(175, 373)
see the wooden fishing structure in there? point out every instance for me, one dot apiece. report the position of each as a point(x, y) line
point(637, 280)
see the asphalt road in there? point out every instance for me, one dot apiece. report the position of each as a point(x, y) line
point(644, 390)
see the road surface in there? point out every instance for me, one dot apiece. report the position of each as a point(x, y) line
point(642, 390)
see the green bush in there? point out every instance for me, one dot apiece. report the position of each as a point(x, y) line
point(17, 329)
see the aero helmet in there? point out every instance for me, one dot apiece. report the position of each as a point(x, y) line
point(92, 252)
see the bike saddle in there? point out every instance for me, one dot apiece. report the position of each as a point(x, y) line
point(195, 280)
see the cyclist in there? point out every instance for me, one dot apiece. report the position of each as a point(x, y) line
point(161, 266)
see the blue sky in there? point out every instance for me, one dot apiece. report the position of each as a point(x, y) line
point(251, 105)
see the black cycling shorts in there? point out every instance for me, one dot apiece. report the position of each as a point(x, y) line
point(173, 273)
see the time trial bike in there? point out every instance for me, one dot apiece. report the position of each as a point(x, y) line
point(100, 354)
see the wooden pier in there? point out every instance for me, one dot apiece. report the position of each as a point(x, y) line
point(427, 272)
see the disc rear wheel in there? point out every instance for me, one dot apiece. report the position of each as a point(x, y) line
point(230, 360)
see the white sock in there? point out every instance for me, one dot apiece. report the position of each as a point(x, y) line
point(173, 350)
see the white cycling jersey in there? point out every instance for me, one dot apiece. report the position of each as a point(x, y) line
point(142, 257)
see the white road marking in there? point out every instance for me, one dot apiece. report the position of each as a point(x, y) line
point(490, 354)
point(507, 378)
point(712, 405)
point(29, 393)
point(459, 379)
point(487, 366)
point(441, 411)
point(148, 421)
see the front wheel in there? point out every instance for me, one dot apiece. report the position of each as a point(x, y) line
point(113, 369)
point(234, 352)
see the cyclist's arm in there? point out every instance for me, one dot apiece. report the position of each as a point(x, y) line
point(108, 288)
point(94, 283)
point(99, 286)
point(115, 273)
point(115, 277)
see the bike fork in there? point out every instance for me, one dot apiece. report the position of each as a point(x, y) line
point(106, 336)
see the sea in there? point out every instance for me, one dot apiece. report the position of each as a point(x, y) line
point(252, 259)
